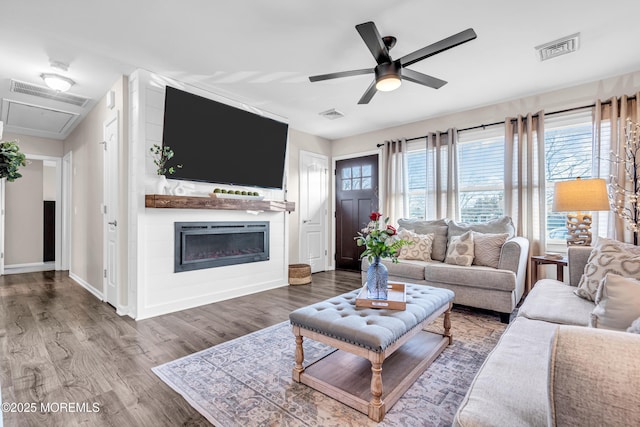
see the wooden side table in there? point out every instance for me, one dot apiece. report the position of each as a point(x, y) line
point(538, 260)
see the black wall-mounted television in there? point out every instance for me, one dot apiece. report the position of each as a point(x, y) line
point(217, 143)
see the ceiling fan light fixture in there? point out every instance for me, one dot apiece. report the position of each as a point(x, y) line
point(388, 83)
point(388, 76)
point(57, 82)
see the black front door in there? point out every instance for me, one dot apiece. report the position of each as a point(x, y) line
point(356, 198)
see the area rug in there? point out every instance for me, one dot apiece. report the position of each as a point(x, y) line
point(247, 381)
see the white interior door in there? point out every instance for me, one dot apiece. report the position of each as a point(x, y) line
point(110, 283)
point(313, 210)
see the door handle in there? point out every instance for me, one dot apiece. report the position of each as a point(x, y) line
point(114, 223)
point(305, 221)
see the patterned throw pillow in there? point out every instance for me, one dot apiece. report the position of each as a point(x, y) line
point(437, 227)
point(419, 247)
point(460, 250)
point(618, 303)
point(487, 248)
point(608, 256)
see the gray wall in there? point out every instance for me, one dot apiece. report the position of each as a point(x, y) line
point(23, 219)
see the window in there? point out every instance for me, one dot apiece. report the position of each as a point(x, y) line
point(356, 178)
point(481, 174)
point(417, 183)
point(568, 154)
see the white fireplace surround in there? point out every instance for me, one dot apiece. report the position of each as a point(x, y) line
point(154, 288)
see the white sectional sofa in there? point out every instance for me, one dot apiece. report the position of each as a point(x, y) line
point(498, 288)
point(551, 368)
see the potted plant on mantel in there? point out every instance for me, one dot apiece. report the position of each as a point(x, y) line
point(10, 160)
point(160, 157)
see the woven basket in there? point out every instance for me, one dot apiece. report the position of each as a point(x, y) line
point(299, 274)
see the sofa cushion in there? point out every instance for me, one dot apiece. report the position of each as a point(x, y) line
point(511, 388)
point(495, 226)
point(472, 276)
point(460, 250)
point(438, 227)
point(608, 256)
point(407, 269)
point(554, 301)
point(487, 248)
point(592, 378)
point(419, 247)
point(617, 303)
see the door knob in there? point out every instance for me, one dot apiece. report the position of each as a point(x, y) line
point(114, 223)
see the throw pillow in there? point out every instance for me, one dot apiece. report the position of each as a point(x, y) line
point(495, 226)
point(618, 303)
point(608, 256)
point(635, 327)
point(460, 250)
point(419, 247)
point(487, 248)
point(437, 227)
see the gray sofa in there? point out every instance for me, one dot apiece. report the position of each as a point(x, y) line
point(549, 368)
point(498, 289)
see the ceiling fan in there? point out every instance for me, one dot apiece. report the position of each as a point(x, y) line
point(389, 73)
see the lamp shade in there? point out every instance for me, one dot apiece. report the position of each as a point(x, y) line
point(580, 195)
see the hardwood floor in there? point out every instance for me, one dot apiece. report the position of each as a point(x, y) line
point(59, 346)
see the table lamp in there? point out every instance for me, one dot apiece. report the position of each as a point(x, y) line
point(576, 196)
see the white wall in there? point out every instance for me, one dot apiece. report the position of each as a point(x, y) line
point(34, 145)
point(577, 96)
point(86, 264)
point(155, 288)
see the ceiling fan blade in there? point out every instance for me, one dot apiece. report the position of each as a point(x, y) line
point(372, 39)
point(368, 93)
point(340, 74)
point(441, 46)
point(423, 79)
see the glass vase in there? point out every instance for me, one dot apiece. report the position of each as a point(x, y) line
point(377, 278)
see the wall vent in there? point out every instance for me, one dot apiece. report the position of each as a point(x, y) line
point(45, 92)
point(332, 114)
point(558, 47)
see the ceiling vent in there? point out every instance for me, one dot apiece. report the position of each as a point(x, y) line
point(332, 114)
point(558, 47)
point(45, 92)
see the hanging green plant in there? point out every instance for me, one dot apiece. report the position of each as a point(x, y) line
point(10, 160)
point(160, 157)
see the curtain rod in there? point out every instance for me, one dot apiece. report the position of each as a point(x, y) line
point(566, 110)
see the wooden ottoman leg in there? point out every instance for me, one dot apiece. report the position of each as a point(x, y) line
point(447, 324)
point(298, 369)
point(376, 405)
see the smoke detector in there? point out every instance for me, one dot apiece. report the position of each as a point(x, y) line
point(332, 114)
point(558, 47)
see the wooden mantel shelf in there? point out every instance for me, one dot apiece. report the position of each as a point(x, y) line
point(192, 202)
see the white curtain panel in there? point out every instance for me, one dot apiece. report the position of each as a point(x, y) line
point(442, 175)
point(525, 177)
point(394, 155)
point(609, 122)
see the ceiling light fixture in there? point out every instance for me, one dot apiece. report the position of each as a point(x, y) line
point(388, 76)
point(57, 82)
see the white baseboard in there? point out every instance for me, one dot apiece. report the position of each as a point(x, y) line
point(87, 286)
point(31, 267)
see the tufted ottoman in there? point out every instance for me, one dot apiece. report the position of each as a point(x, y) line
point(364, 339)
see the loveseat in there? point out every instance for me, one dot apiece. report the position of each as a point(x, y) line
point(495, 280)
point(551, 368)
